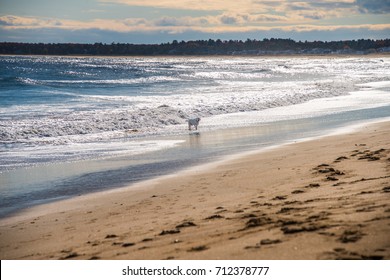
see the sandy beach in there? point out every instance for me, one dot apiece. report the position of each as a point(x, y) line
point(326, 198)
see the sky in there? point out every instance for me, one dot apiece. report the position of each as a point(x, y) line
point(162, 21)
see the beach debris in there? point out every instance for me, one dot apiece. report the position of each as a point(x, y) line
point(111, 236)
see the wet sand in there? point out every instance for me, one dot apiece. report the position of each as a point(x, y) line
point(322, 199)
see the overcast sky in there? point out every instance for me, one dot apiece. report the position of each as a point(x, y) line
point(161, 21)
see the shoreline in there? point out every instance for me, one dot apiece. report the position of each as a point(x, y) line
point(212, 145)
point(42, 208)
point(269, 204)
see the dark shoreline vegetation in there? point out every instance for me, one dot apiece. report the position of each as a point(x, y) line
point(202, 47)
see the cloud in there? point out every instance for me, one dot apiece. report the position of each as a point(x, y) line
point(217, 17)
point(226, 15)
point(16, 21)
point(176, 25)
point(182, 21)
point(300, 6)
point(92, 35)
point(230, 19)
point(374, 6)
point(202, 5)
point(348, 6)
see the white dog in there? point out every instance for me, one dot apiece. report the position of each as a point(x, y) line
point(194, 123)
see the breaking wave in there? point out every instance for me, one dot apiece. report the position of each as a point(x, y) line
point(68, 101)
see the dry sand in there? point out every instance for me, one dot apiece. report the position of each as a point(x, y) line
point(322, 199)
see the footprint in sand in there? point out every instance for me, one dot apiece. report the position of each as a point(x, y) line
point(93, 243)
point(340, 159)
point(147, 240)
point(296, 229)
point(71, 255)
point(198, 248)
point(386, 189)
point(343, 254)
point(270, 241)
point(257, 222)
point(263, 242)
point(331, 178)
point(247, 216)
point(128, 244)
point(349, 236)
point(186, 224)
point(213, 217)
point(297, 192)
point(313, 185)
point(108, 236)
point(172, 231)
point(280, 197)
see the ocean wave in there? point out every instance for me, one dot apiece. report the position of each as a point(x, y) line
point(150, 113)
point(132, 97)
point(100, 82)
point(17, 81)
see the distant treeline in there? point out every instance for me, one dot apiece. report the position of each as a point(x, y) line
point(202, 47)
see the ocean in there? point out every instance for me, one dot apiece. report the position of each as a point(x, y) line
point(75, 125)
